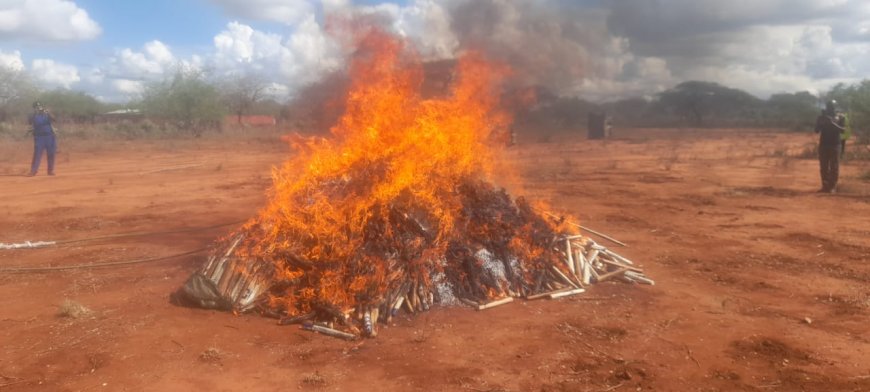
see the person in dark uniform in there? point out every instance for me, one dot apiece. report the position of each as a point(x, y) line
point(830, 126)
point(43, 138)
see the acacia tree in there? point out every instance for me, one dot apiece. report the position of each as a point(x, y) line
point(16, 89)
point(855, 99)
point(187, 99)
point(796, 110)
point(242, 92)
point(698, 102)
point(74, 105)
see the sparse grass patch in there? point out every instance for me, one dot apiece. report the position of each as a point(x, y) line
point(779, 153)
point(858, 152)
point(211, 355)
point(72, 309)
point(809, 152)
point(668, 162)
point(853, 188)
point(314, 380)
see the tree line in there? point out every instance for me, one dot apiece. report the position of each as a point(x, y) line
point(707, 105)
point(191, 100)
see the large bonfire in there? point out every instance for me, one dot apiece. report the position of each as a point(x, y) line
point(395, 210)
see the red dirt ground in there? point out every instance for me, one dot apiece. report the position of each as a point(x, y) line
point(762, 284)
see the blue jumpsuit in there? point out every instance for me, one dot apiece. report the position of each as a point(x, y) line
point(43, 140)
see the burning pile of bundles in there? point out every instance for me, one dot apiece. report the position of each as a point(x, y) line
point(393, 213)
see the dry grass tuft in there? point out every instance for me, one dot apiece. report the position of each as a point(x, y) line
point(314, 380)
point(211, 355)
point(72, 309)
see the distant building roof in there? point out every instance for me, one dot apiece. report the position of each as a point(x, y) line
point(123, 112)
point(251, 120)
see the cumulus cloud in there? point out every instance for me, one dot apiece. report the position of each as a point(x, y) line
point(153, 61)
point(125, 74)
point(11, 60)
point(602, 49)
point(762, 46)
point(297, 59)
point(241, 44)
point(128, 87)
point(52, 73)
point(54, 20)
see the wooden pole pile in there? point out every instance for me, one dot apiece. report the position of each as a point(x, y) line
point(241, 287)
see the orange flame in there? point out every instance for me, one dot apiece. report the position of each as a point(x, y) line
point(390, 147)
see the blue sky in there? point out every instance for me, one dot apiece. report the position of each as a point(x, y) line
point(597, 49)
point(187, 25)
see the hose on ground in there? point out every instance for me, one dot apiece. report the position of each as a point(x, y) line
point(43, 244)
point(22, 270)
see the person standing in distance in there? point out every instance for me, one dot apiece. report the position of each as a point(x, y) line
point(830, 128)
point(43, 138)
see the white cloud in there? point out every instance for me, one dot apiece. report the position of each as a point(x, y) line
point(55, 74)
point(309, 54)
point(300, 58)
point(11, 60)
point(129, 88)
point(95, 76)
point(605, 51)
point(761, 46)
point(241, 44)
point(283, 11)
point(55, 20)
point(125, 74)
point(153, 61)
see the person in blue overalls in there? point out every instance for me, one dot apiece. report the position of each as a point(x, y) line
point(43, 138)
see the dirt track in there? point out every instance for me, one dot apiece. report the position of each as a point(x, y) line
point(763, 285)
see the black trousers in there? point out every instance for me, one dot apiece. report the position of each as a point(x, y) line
point(829, 166)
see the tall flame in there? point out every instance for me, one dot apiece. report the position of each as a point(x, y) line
point(393, 157)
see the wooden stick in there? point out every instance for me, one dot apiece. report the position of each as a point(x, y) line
point(593, 272)
point(593, 254)
point(579, 260)
point(469, 302)
point(398, 304)
point(605, 236)
point(296, 319)
point(571, 265)
point(412, 297)
point(495, 303)
point(547, 294)
point(640, 278)
point(611, 274)
point(587, 273)
point(618, 257)
point(376, 312)
point(620, 265)
point(565, 278)
point(567, 293)
point(329, 331)
point(408, 305)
